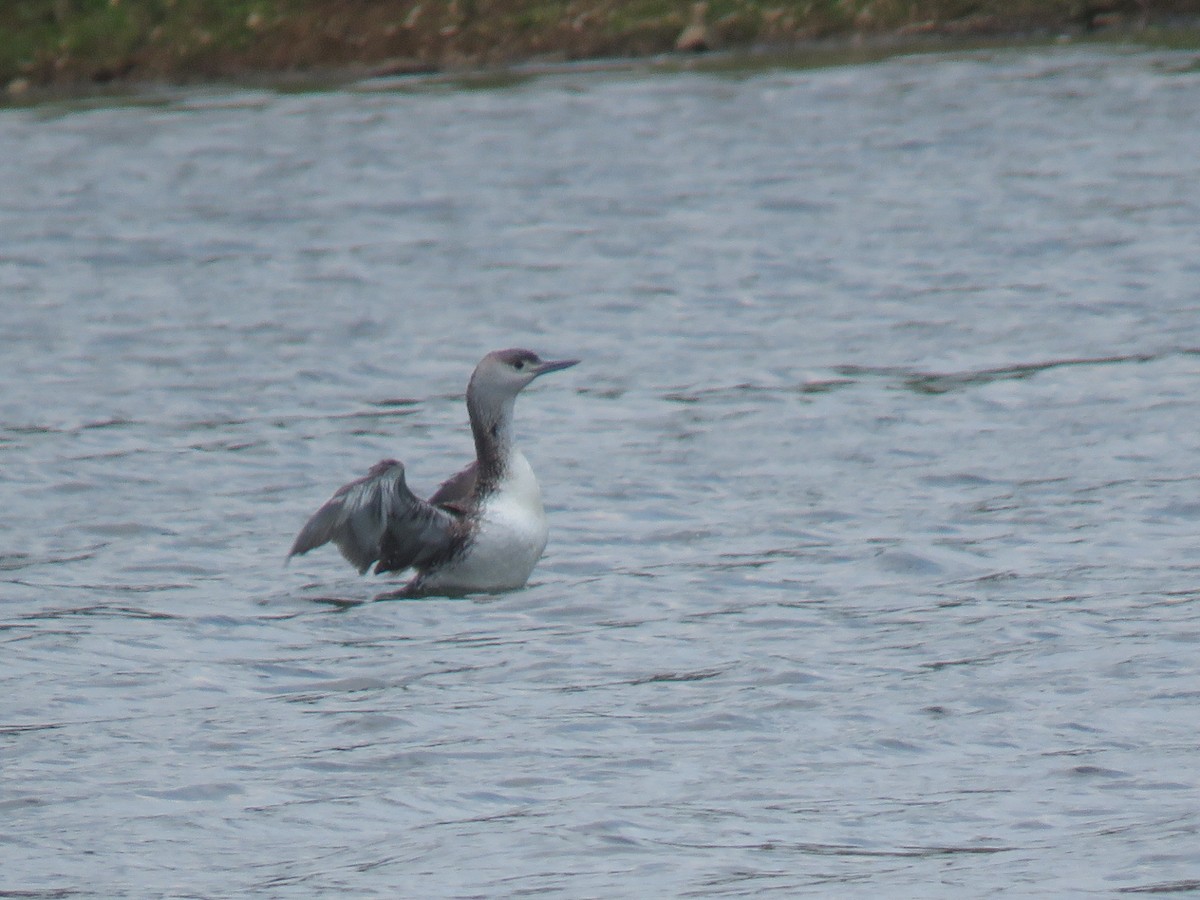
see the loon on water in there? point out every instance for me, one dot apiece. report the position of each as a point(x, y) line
point(483, 529)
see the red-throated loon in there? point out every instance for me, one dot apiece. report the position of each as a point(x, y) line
point(484, 529)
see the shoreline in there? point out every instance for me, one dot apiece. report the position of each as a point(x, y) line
point(294, 50)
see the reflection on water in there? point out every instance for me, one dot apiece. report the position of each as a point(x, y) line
point(873, 554)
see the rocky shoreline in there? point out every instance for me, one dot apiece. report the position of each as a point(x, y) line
point(72, 45)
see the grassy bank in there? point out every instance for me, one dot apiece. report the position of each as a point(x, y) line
point(81, 42)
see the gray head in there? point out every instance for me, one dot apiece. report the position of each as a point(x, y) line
point(503, 374)
point(493, 389)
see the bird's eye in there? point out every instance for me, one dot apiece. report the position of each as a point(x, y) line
point(519, 365)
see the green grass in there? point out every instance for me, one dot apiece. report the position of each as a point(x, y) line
point(48, 40)
point(73, 42)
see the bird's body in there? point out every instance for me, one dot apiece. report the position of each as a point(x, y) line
point(484, 529)
point(509, 535)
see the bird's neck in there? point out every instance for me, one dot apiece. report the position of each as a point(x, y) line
point(492, 426)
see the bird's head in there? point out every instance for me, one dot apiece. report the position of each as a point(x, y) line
point(503, 374)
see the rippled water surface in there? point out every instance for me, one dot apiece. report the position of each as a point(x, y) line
point(875, 503)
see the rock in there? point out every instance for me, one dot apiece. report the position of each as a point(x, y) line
point(697, 36)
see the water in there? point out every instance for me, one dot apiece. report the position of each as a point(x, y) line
point(873, 566)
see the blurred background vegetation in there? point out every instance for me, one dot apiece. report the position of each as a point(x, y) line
point(65, 42)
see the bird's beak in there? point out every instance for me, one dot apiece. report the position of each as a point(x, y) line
point(554, 365)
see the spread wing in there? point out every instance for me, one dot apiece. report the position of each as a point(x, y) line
point(378, 518)
point(456, 489)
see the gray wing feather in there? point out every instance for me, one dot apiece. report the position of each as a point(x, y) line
point(378, 518)
point(457, 488)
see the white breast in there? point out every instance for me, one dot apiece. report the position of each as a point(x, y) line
point(511, 535)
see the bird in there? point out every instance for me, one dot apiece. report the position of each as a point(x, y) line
point(482, 531)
